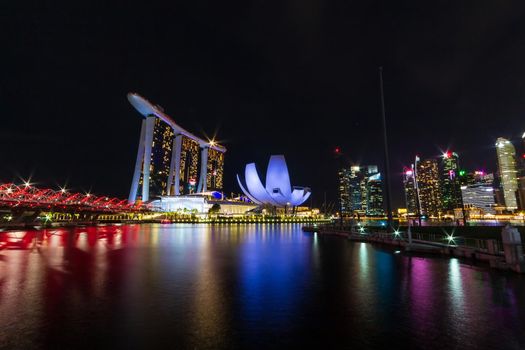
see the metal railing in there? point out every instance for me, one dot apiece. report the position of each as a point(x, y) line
point(488, 246)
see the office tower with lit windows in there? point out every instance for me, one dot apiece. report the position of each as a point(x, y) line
point(479, 196)
point(450, 182)
point(374, 195)
point(427, 185)
point(352, 184)
point(359, 187)
point(521, 175)
point(521, 157)
point(479, 192)
point(521, 193)
point(475, 177)
point(360, 190)
point(171, 160)
point(409, 185)
point(484, 178)
point(344, 191)
point(508, 172)
point(465, 178)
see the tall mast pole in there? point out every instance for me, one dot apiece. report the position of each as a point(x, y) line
point(387, 160)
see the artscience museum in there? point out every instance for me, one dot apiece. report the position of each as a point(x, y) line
point(277, 190)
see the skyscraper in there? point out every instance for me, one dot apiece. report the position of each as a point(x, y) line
point(344, 191)
point(409, 184)
point(476, 177)
point(160, 158)
point(507, 171)
point(360, 190)
point(479, 196)
point(521, 192)
point(450, 182)
point(168, 157)
point(358, 182)
point(521, 175)
point(374, 195)
point(188, 168)
point(482, 177)
point(427, 182)
point(215, 170)
point(352, 185)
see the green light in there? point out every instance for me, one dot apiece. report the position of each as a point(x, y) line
point(462, 173)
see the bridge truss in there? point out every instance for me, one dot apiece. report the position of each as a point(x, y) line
point(29, 197)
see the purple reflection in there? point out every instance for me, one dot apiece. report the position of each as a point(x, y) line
point(423, 302)
point(272, 275)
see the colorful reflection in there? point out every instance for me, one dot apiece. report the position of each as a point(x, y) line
point(241, 286)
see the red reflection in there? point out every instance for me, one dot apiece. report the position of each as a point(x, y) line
point(83, 237)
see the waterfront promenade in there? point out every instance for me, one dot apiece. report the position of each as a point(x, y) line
point(492, 249)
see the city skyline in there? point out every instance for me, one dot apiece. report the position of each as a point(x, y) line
point(262, 174)
point(440, 186)
point(241, 79)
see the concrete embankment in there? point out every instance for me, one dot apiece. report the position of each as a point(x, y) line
point(506, 256)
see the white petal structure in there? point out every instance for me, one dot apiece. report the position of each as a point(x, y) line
point(278, 190)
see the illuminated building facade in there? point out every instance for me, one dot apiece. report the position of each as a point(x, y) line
point(200, 204)
point(521, 176)
point(428, 190)
point(214, 179)
point(159, 164)
point(277, 190)
point(479, 196)
point(374, 196)
point(189, 167)
point(344, 191)
point(476, 177)
point(450, 182)
point(521, 192)
point(409, 185)
point(357, 190)
point(361, 190)
point(508, 172)
point(170, 160)
point(465, 178)
point(484, 178)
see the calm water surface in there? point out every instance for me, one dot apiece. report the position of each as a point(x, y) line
point(245, 286)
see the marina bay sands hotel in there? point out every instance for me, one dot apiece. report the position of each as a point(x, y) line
point(170, 160)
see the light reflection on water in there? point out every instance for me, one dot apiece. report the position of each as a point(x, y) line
point(258, 286)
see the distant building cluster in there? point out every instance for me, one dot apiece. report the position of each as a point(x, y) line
point(435, 188)
point(361, 190)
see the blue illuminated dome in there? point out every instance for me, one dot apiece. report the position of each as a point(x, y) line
point(278, 190)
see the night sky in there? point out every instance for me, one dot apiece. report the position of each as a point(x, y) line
point(266, 77)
